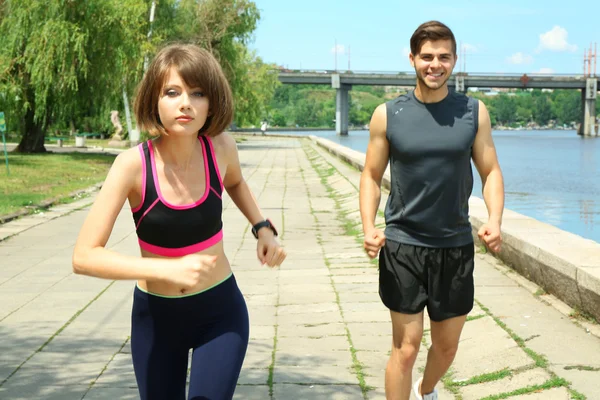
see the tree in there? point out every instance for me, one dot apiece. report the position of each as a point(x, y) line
point(64, 60)
point(505, 108)
point(523, 115)
point(278, 119)
point(542, 113)
point(307, 114)
point(566, 106)
point(253, 95)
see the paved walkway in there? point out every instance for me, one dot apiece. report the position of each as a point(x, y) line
point(318, 328)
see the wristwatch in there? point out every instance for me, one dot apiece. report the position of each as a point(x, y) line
point(263, 224)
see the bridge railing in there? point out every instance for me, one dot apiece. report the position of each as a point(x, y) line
point(412, 73)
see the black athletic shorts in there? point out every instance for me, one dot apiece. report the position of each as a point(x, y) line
point(412, 277)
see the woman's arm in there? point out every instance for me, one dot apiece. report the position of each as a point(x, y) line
point(90, 257)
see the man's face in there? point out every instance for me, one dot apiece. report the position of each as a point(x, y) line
point(434, 63)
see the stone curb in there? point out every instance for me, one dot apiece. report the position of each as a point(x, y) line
point(563, 264)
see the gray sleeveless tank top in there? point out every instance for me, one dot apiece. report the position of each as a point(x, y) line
point(430, 165)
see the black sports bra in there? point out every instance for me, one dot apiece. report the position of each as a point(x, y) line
point(177, 230)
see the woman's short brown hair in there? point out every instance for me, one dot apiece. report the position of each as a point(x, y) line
point(197, 68)
point(431, 30)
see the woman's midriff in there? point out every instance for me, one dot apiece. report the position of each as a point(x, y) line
point(220, 273)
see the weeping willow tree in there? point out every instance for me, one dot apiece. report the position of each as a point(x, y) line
point(64, 60)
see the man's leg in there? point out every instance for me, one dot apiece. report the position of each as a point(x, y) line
point(451, 292)
point(444, 344)
point(407, 330)
point(402, 290)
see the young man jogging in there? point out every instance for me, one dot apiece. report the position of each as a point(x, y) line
point(428, 137)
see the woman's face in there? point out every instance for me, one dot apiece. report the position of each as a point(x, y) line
point(182, 110)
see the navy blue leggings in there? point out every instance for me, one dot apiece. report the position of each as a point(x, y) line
point(213, 323)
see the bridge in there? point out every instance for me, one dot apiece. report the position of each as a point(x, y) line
point(343, 81)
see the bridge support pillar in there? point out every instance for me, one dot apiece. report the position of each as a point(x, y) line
point(588, 98)
point(342, 105)
point(460, 83)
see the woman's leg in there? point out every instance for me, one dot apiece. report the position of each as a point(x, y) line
point(218, 359)
point(159, 357)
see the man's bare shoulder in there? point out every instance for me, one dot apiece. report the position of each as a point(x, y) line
point(378, 124)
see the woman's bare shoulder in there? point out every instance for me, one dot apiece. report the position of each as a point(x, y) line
point(130, 159)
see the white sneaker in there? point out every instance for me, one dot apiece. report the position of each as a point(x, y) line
point(429, 396)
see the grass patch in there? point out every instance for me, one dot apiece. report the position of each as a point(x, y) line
point(474, 317)
point(582, 368)
point(489, 377)
point(549, 384)
point(575, 395)
point(272, 366)
point(531, 337)
point(582, 315)
point(35, 178)
point(448, 381)
point(357, 366)
point(315, 325)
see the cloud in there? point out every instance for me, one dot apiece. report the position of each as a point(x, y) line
point(520, 58)
point(544, 71)
point(339, 49)
point(555, 40)
point(405, 51)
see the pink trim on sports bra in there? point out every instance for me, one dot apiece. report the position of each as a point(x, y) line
point(157, 184)
point(143, 181)
point(181, 251)
point(215, 192)
point(216, 164)
point(147, 211)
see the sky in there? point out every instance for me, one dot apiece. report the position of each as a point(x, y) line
point(504, 36)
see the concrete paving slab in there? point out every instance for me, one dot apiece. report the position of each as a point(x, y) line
point(311, 330)
point(318, 374)
point(100, 392)
point(303, 308)
point(317, 392)
point(253, 392)
point(27, 391)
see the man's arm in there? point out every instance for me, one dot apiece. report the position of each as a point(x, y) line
point(486, 162)
point(370, 179)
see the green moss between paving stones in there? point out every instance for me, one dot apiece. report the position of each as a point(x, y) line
point(350, 229)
